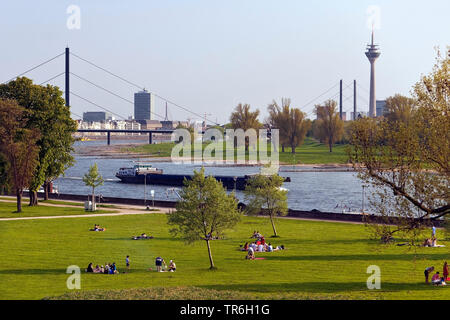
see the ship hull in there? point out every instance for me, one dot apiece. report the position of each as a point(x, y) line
point(177, 180)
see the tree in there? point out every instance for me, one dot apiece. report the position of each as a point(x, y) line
point(46, 111)
point(204, 212)
point(407, 162)
point(329, 126)
point(93, 179)
point(399, 108)
point(290, 122)
point(243, 118)
point(264, 195)
point(18, 146)
point(4, 175)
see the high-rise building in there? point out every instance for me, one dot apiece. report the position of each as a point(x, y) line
point(381, 108)
point(96, 116)
point(372, 53)
point(143, 105)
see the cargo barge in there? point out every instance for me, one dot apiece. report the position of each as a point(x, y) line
point(147, 174)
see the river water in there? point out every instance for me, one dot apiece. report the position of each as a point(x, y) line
point(324, 191)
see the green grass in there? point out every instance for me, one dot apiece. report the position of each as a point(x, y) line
point(310, 152)
point(322, 261)
point(7, 210)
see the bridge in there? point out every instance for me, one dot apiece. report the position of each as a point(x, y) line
point(109, 131)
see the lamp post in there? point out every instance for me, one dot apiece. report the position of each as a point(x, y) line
point(363, 196)
point(145, 190)
point(152, 193)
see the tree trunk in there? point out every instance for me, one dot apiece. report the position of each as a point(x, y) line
point(210, 255)
point(331, 147)
point(273, 226)
point(282, 148)
point(19, 200)
point(293, 149)
point(93, 198)
point(46, 187)
point(33, 198)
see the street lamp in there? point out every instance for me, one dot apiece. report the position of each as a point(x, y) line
point(152, 193)
point(363, 196)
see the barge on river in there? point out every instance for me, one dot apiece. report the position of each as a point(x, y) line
point(147, 174)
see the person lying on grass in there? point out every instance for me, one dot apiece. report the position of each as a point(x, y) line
point(143, 236)
point(97, 228)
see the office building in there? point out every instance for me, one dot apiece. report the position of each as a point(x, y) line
point(143, 105)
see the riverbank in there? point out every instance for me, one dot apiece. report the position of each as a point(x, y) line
point(311, 155)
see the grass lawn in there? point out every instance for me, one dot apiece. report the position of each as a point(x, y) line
point(322, 261)
point(7, 210)
point(310, 152)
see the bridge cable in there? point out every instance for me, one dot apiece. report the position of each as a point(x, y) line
point(142, 88)
point(110, 92)
point(35, 67)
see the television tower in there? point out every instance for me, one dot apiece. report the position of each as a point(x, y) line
point(372, 53)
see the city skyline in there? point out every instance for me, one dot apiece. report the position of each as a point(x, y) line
point(195, 55)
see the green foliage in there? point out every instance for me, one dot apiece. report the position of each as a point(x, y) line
point(264, 195)
point(93, 178)
point(46, 112)
point(405, 156)
point(204, 211)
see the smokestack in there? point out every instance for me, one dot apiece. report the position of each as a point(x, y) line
point(340, 100)
point(354, 99)
point(67, 78)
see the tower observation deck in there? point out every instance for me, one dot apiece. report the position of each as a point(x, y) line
point(372, 53)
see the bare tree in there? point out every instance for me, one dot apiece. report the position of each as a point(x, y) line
point(329, 127)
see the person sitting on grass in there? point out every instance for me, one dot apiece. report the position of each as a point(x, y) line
point(89, 268)
point(250, 254)
point(97, 228)
point(172, 266)
point(270, 248)
point(97, 269)
point(427, 243)
point(261, 248)
point(437, 280)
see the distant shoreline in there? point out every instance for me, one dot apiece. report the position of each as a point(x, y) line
point(115, 151)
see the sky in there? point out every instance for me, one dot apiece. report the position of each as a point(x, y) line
point(207, 56)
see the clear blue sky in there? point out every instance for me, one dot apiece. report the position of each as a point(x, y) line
point(210, 55)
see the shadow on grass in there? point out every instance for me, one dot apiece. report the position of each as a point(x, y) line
point(363, 257)
point(323, 287)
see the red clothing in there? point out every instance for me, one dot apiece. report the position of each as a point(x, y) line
point(445, 271)
point(435, 277)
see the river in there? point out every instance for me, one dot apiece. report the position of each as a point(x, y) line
point(324, 191)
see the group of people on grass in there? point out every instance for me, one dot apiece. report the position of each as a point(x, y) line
point(437, 279)
point(109, 268)
point(161, 265)
point(259, 245)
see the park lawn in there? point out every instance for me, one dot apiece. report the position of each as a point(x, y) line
point(7, 210)
point(322, 260)
point(310, 152)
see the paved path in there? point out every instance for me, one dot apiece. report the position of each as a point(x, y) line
point(120, 211)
